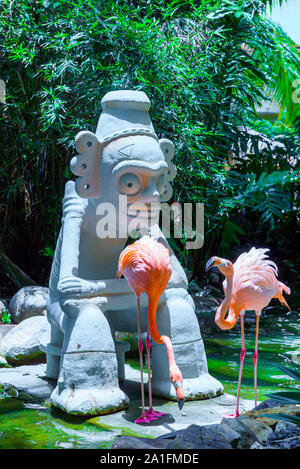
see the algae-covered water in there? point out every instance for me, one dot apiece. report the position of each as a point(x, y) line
point(34, 426)
point(31, 426)
point(25, 426)
point(279, 343)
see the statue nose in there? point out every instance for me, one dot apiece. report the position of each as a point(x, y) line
point(151, 194)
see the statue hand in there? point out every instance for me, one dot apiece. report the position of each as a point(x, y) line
point(76, 287)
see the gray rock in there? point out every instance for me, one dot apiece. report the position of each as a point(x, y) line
point(23, 343)
point(284, 443)
point(257, 445)
point(283, 426)
point(250, 430)
point(286, 436)
point(131, 442)
point(193, 437)
point(28, 302)
point(260, 429)
point(247, 436)
point(26, 382)
point(268, 403)
point(2, 308)
point(205, 437)
point(4, 329)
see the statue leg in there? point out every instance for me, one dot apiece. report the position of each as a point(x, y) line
point(176, 318)
point(53, 349)
point(88, 377)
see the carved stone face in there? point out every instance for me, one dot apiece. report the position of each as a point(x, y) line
point(134, 168)
point(124, 164)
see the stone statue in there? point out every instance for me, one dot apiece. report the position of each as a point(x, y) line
point(86, 303)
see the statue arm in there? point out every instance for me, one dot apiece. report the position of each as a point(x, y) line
point(73, 212)
point(70, 285)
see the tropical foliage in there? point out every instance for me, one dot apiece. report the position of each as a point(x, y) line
point(204, 65)
point(5, 317)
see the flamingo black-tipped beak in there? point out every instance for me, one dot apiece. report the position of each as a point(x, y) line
point(210, 263)
point(179, 394)
point(180, 403)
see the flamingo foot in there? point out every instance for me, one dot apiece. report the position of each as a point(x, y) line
point(154, 414)
point(231, 416)
point(143, 418)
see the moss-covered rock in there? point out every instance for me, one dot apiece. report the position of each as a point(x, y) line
point(3, 363)
point(271, 422)
point(22, 344)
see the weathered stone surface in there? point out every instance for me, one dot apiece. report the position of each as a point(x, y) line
point(26, 382)
point(28, 302)
point(226, 400)
point(202, 412)
point(22, 343)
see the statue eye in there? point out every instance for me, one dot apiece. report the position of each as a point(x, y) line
point(130, 184)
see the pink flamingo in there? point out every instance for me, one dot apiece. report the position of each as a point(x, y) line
point(147, 267)
point(250, 284)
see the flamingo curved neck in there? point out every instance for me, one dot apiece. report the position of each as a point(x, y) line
point(232, 318)
point(152, 308)
point(159, 339)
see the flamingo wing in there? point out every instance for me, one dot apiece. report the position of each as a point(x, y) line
point(254, 266)
point(255, 279)
point(146, 264)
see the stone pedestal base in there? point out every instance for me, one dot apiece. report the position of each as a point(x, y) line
point(89, 401)
point(202, 387)
point(121, 348)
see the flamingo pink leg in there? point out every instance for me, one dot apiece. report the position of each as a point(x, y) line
point(255, 358)
point(242, 357)
point(151, 413)
point(143, 418)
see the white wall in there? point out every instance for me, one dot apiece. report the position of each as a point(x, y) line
point(288, 16)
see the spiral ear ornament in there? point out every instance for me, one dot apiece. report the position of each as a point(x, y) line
point(168, 150)
point(86, 165)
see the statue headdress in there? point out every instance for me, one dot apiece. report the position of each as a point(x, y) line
point(124, 113)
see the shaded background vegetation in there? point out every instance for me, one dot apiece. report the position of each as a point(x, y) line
point(204, 65)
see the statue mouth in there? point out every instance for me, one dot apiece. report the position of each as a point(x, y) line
point(146, 213)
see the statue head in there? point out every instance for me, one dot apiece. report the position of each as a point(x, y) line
point(125, 156)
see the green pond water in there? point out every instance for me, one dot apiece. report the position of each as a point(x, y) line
point(279, 343)
point(24, 425)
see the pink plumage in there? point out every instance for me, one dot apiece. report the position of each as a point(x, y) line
point(255, 281)
point(250, 284)
point(145, 264)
